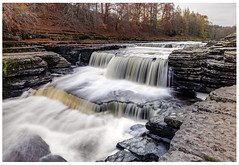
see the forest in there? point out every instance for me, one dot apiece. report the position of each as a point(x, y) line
point(145, 20)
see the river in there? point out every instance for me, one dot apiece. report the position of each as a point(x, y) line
point(83, 115)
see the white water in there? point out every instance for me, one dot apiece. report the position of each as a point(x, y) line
point(91, 84)
point(77, 136)
point(73, 135)
point(101, 59)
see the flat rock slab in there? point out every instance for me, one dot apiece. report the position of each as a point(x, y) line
point(226, 108)
point(208, 134)
point(225, 94)
point(178, 156)
point(144, 147)
point(208, 131)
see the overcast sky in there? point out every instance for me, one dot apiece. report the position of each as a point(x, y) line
point(223, 14)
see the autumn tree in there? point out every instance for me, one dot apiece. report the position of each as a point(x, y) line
point(166, 20)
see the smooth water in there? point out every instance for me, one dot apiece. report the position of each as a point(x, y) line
point(74, 135)
point(83, 115)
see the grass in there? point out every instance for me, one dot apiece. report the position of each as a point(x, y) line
point(210, 159)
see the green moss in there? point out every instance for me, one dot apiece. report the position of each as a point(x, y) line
point(9, 67)
point(210, 159)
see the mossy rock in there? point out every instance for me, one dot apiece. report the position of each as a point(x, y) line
point(22, 65)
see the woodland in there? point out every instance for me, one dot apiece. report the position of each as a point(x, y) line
point(150, 21)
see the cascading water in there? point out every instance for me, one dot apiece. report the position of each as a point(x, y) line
point(149, 71)
point(101, 59)
point(83, 115)
point(118, 109)
point(74, 135)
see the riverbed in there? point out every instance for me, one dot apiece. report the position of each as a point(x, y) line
point(118, 89)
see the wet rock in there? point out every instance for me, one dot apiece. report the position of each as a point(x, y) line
point(144, 147)
point(168, 46)
point(230, 56)
point(52, 158)
point(30, 148)
point(15, 86)
point(26, 149)
point(122, 156)
point(157, 138)
point(156, 126)
point(79, 54)
point(137, 130)
point(174, 121)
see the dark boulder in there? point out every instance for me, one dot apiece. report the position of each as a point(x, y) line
point(145, 148)
point(122, 156)
point(137, 130)
point(28, 148)
point(52, 158)
point(156, 126)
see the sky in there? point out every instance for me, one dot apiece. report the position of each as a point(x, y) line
point(223, 14)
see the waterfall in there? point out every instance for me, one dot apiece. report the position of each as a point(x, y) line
point(100, 59)
point(118, 109)
point(128, 109)
point(149, 71)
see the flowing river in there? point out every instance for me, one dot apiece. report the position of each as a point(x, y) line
point(83, 115)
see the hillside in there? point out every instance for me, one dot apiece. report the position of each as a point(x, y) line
point(101, 23)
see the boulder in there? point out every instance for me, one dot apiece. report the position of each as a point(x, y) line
point(137, 130)
point(26, 149)
point(52, 158)
point(174, 121)
point(122, 156)
point(30, 148)
point(145, 148)
point(156, 126)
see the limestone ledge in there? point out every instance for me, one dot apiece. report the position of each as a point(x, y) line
point(208, 130)
point(206, 68)
point(25, 70)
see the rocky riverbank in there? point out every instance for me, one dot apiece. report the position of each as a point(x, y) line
point(205, 69)
point(33, 66)
point(205, 131)
point(208, 130)
point(22, 71)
